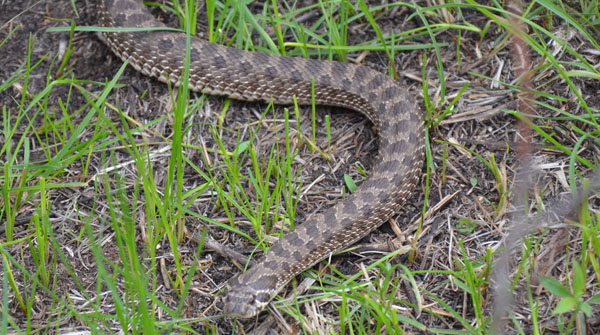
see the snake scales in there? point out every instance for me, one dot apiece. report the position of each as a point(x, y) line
point(250, 76)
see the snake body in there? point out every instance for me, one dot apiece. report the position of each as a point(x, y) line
point(251, 76)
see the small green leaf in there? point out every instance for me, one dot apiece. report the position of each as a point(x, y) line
point(461, 285)
point(350, 184)
point(565, 305)
point(583, 74)
point(578, 279)
point(586, 309)
point(466, 226)
point(555, 287)
point(241, 148)
point(595, 299)
point(473, 181)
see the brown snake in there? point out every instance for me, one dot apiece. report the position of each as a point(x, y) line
point(251, 76)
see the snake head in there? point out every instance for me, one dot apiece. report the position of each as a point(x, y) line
point(246, 298)
point(244, 304)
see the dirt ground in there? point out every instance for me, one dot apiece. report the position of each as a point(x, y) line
point(462, 188)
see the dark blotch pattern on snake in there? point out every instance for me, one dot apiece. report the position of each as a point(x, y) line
point(250, 76)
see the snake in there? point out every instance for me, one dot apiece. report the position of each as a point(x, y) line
point(255, 76)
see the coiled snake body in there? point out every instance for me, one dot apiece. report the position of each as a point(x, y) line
point(244, 75)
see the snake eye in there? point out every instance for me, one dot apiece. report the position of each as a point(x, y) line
point(262, 298)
